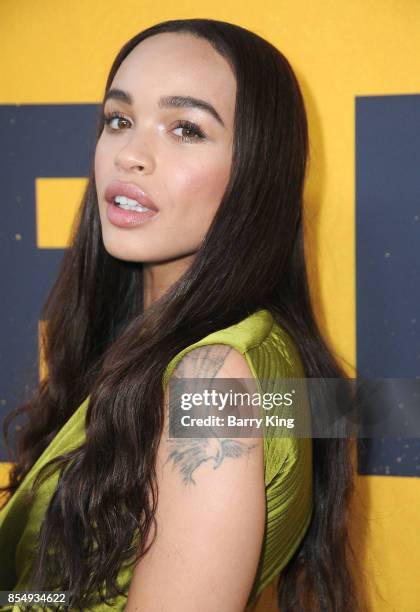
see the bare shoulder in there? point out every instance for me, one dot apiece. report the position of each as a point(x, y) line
point(207, 548)
point(213, 360)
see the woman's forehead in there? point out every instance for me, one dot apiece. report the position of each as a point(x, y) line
point(181, 60)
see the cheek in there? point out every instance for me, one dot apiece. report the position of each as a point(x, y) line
point(196, 195)
point(99, 160)
point(202, 187)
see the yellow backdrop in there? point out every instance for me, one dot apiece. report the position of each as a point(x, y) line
point(60, 52)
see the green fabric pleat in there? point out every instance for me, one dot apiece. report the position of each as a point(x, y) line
point(271, 356)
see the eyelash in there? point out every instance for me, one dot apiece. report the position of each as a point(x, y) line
point(187, 125)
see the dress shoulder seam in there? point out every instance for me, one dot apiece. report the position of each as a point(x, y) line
point(260, 341)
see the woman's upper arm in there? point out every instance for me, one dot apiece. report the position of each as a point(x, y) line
point(210, 513)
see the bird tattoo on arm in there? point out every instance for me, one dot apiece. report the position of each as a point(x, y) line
point(187, 454)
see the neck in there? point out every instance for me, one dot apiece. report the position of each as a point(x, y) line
point(159, 277)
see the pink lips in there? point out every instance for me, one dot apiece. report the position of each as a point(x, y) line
point(129, 190)
point(128, 218)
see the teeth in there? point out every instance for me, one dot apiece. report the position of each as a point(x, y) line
point(128, 204)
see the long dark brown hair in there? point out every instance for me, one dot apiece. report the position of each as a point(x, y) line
point(100, 341)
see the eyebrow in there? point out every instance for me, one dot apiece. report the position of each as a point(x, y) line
point(168, 101)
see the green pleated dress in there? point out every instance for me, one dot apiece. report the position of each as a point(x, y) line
point(270, 354)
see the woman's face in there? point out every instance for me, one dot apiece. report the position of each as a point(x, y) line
point(183, 169)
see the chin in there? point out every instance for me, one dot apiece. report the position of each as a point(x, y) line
point(116, 247)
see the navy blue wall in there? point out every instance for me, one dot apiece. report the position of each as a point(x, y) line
point(388, 259)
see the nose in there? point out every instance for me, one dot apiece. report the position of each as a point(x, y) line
point(135, 155)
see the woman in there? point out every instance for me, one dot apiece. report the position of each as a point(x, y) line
point(187, 261)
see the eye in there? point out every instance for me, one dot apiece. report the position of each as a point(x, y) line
point(109, 118)
point(195, 132)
